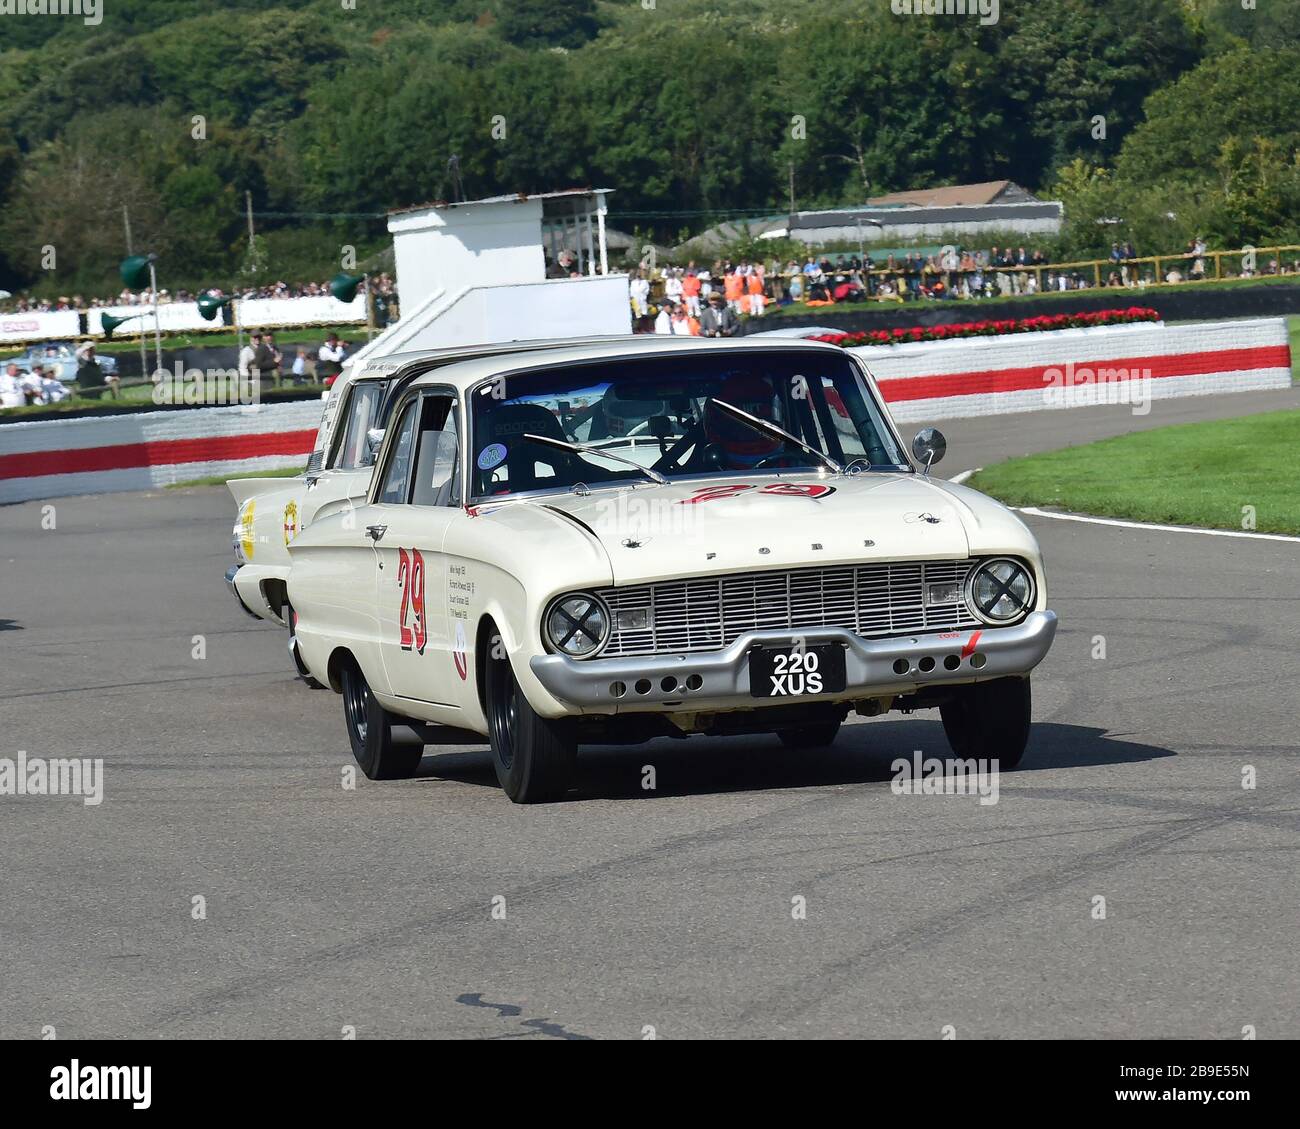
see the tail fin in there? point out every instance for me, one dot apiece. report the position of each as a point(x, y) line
point(242, 489)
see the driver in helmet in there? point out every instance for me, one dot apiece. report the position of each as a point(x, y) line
point(732, 443)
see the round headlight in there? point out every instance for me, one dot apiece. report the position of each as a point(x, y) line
point(1000, 590)
point(577, 625)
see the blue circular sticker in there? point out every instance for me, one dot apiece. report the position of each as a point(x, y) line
point(492, 455)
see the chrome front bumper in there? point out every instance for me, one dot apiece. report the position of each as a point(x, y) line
point(720, 679)
point(230, 583)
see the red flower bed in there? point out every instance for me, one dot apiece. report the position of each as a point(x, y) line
point(1039, 324)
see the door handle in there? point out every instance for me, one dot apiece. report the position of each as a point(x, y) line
point(376, 532)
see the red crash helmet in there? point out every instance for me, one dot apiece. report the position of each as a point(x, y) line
point(741, 445)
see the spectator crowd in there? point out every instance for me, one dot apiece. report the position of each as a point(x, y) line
point(678, 300)
point(54, 372)
point(37, 381)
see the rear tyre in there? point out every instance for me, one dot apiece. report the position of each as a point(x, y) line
point(291, 618)
point(989, 720)
point(533, 755)
point(810, 736)
point(370, 729)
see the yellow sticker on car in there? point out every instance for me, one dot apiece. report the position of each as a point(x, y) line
point(291, 526)
point(246, 528)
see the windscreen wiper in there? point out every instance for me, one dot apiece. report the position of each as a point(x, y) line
point(770, 428)
point(584, 449)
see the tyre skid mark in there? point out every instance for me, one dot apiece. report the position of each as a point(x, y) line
point(796, 998)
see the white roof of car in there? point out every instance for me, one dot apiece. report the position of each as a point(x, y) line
point(465, 374)
point(799, 331)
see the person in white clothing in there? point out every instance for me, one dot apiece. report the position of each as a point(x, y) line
point(247, 355)
point(673, 286)
point(52, 389)
point(640, 288)
point(31, 385)
point(664, 322)
point(11, 388)
point(330, 362)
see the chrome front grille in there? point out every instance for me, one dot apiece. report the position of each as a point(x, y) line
point(709, 613)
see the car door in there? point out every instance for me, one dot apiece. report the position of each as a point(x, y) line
point(416, 642)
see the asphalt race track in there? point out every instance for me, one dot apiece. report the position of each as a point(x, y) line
point(328, 909)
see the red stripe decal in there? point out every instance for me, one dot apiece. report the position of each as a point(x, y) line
point(158, 452)
point(969, 649)
point(1021, 379)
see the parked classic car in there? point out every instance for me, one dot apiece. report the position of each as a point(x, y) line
point(616, 541)
point(59, 360)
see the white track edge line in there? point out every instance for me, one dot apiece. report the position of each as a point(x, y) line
point(1034, 511)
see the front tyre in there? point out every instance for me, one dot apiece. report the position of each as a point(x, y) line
point(989, 720)
point(370, 729)
point(533, 755)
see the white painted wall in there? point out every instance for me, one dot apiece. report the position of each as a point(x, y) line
point(551, 308)
point(897, 232)
point(480, 245)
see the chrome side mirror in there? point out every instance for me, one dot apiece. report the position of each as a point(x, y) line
point(374, 440)
point(929, 447)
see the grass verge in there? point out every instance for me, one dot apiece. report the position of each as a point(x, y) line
point(222, 479)
point(1220, 474)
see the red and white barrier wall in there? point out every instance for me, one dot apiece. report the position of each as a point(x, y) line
point(103, 454)
point(1126, 364)
point(1129, 364)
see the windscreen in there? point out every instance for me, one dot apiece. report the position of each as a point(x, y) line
point(669, 413)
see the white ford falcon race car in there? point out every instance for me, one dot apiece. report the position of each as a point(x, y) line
point(609, 542)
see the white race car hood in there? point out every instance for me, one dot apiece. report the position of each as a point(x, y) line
point(738, 525)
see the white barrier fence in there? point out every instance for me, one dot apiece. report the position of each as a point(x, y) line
point(251, 313)
point(1070, 368)
point(921, 381)
point(39, 327)
point(146, 450)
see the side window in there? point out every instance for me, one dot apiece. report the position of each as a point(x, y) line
point(361, 413)
point(399, 457)
point(436, 478)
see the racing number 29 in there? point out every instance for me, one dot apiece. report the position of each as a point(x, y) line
point(410, 576)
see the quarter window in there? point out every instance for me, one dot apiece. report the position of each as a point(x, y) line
point(398, 467)
point(436, 478)
point(363, 407)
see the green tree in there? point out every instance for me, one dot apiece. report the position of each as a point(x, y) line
point(548, 23)
point(1240, 94)
point(1067, 63)
point(866, 110)
point(680, 121)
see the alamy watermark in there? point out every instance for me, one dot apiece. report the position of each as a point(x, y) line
point(947, 776)
point(90, 11)
point(1085, 387)
point(70, 776)
point(76, 1082)
point(205, 387)
point(988, 11)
